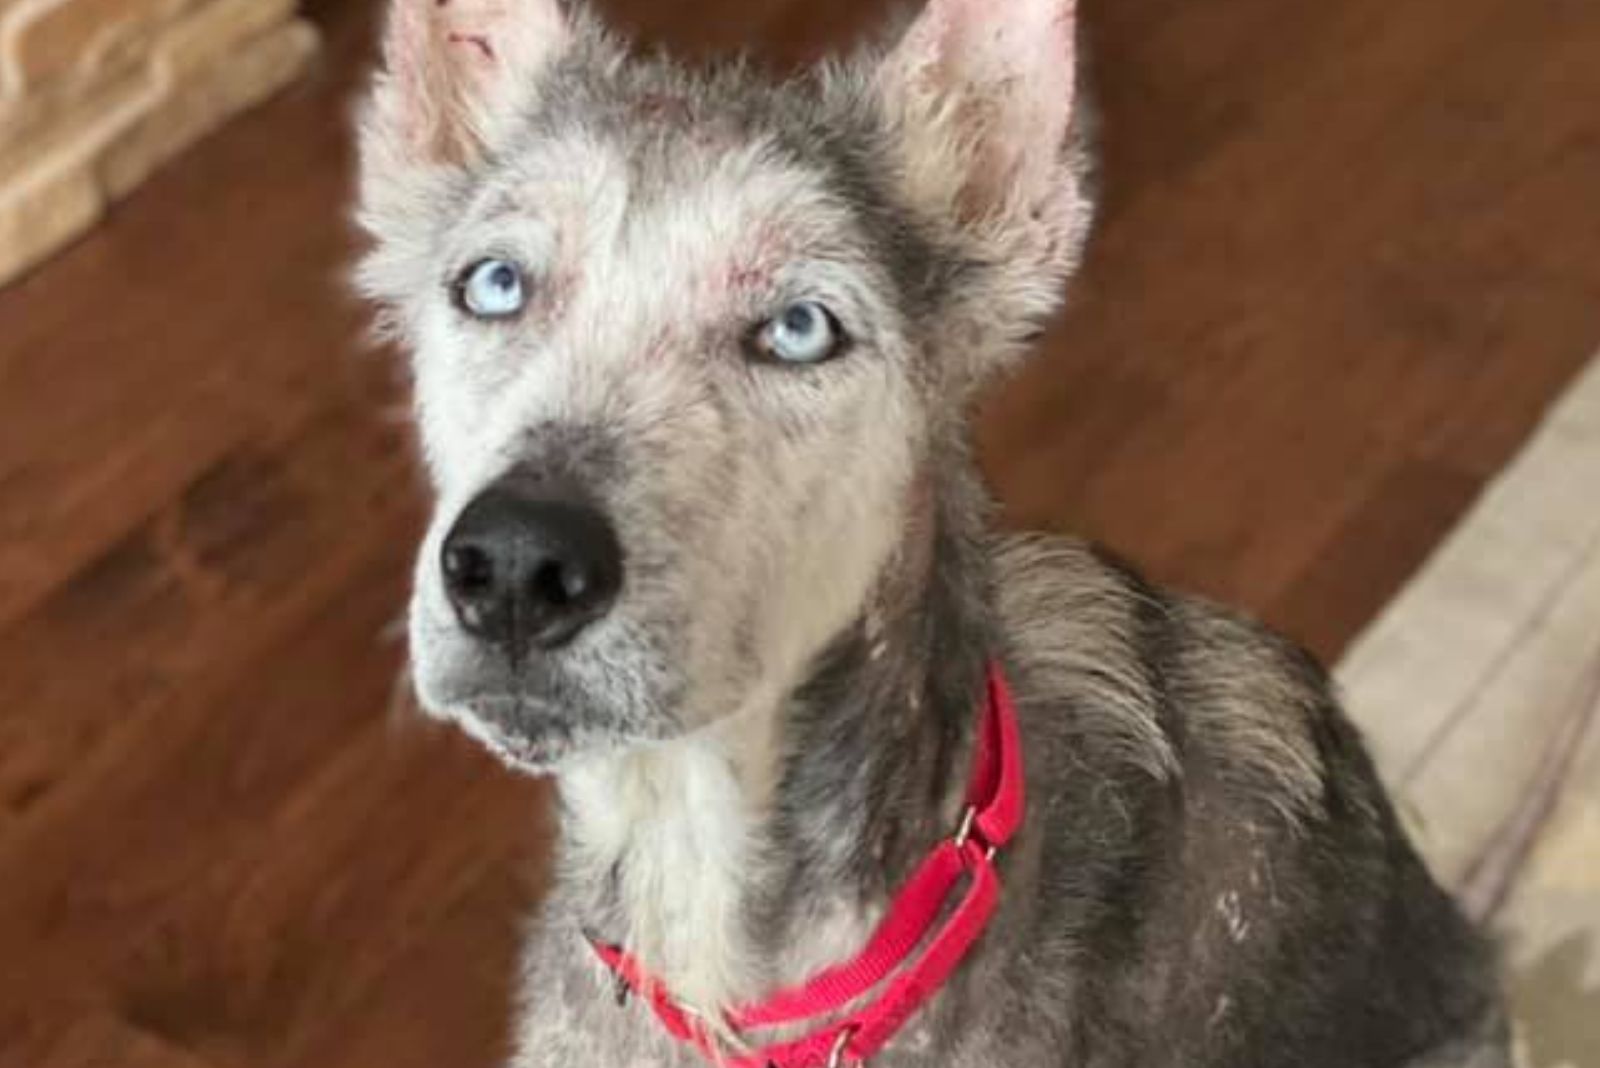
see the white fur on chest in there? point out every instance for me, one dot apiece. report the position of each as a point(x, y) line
point(673, 827)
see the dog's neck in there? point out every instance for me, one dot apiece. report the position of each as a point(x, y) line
point(750, 855)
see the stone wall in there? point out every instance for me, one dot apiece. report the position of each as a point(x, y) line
point(96, 94)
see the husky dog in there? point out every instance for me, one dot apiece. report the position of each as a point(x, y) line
point(694, 356)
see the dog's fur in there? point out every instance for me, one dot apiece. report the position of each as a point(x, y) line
point(772, 726)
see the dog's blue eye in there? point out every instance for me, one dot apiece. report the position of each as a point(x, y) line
point(804, 332)
point(492, 289)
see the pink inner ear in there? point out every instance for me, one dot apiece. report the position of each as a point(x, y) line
point(421, 93)
point(1004, 70)
point(1024, 47)
point(456, 65)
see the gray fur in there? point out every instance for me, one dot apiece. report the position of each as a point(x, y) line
point(774, 723)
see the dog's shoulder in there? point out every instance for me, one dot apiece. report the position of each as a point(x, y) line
point(1240, 850)
point(1164, 682)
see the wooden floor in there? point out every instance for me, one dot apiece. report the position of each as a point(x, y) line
point(1350, 251)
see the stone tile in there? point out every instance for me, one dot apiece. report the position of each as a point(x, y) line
point(96, 94)
point(215, 30)
point(204, 102)
point(56, 39)
point(37, 219)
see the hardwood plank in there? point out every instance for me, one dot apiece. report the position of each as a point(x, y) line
point(107, 1042)
point(1381, 543)
point(159, 614)
point(150, 350)
point(1310, 323)
point(410, 1019)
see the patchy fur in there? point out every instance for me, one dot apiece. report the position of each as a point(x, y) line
point(771, 724)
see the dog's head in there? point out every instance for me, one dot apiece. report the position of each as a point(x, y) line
point(684, 341)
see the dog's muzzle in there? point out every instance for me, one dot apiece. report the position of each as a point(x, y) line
point(529, 565)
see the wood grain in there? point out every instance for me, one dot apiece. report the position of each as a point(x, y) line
point(1348, 254)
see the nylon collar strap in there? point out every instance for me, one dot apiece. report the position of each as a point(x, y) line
point(910, 955)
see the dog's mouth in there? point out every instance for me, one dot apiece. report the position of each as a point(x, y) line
point(537, 735)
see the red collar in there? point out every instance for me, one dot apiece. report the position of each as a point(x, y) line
point(898, 978)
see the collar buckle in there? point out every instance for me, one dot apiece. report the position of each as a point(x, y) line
point(969, 831)
point(836, 1058)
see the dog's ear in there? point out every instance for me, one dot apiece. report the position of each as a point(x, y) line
point(982, 99)
point(454, 73)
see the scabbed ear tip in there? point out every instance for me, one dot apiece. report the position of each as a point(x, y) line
point(984, 91)
point(454, 70)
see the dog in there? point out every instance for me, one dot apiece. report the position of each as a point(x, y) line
point(694, 352)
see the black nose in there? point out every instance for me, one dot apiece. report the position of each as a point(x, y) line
point(529, 565)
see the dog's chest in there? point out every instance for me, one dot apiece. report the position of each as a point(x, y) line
point(670, 842)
